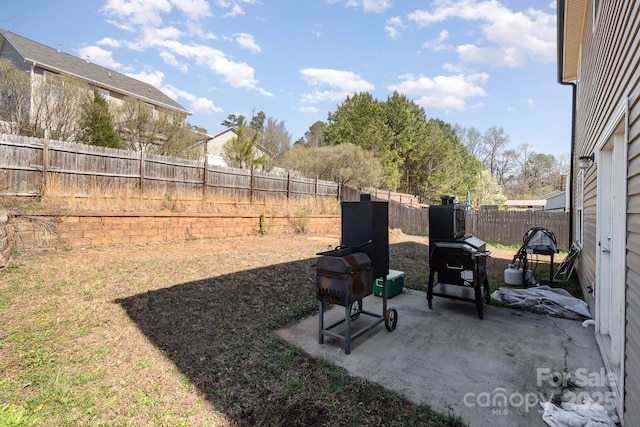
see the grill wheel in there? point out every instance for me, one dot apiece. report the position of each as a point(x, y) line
point(390, 319)
point(356, 309)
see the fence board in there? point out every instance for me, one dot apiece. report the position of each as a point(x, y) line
point(21, 166)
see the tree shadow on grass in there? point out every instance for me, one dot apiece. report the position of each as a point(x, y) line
point(218, 332)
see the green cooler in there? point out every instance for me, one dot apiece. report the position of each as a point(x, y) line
point(395, 282)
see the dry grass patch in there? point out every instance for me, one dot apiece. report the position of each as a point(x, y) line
point(128, 198)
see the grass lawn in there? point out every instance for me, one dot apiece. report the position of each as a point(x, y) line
point(181, 334)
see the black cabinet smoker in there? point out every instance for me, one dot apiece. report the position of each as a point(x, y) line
point(459, 261)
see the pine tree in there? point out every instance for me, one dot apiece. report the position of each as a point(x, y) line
point(96, 126)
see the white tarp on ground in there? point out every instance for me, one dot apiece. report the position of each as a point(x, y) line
point(587, 414)
point(555, 301)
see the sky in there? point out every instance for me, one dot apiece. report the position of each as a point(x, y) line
point(473, 63)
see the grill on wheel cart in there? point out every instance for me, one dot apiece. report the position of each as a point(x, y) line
point(345, 275)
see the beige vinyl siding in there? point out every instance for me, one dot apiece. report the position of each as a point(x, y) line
point(632, 332)
point(588, 255)
point(609, 75)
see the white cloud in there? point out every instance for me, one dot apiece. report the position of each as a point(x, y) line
point(236, 10)
point(237, 74)
point(170, 59)
point(529, 102)
point(308, 109)
point(393, 26)
point(128, 14)
point(345, 80)
point(204, 105)
point(196, 105)
point(340, 83)
point(234, 6)
point(99, 56)
point(195, 9)
point(326, 96)
point(247, 42)
point(446, 92)
point(510, 38)
point(154, 78)
point(438, 44)
point(109, 42)
point(377, 6)
point(146, 18)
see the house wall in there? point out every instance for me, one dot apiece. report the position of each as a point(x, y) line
point(556, 203)
point(214, 145)
point(608, 79)
point(7, 51)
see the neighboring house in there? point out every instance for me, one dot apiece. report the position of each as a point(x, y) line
point(214, 150)
point(42, 61)
point(598, 57)
point(556, 201)
point(525, 204)
point(215, 143)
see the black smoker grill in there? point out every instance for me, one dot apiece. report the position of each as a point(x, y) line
point(345, 275)
point(459, 261)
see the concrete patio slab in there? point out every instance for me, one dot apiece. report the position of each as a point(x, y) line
point(490, 372)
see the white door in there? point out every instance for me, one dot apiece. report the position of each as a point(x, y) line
point(611, 252)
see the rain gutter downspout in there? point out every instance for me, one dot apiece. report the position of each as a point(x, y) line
point(560, 47)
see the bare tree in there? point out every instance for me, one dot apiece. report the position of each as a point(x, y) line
point(175, 137)
point(275, 140)
point(57, 104)
point(135, 124)
point(494, 140)
point(472, 139)
point(15, 96)
point(505, 167)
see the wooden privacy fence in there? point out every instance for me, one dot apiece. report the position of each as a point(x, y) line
point(509, 227)
point(496, 227)
point(29, 165)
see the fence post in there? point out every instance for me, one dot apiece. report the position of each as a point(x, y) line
point(45, 161)
point(205, 177)
point(316, 188)
point(288, 185)
point(142, 171)
point(251, 184)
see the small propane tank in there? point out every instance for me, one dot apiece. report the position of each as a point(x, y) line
point(513, 276)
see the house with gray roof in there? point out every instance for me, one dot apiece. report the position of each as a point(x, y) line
point(40, 60)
